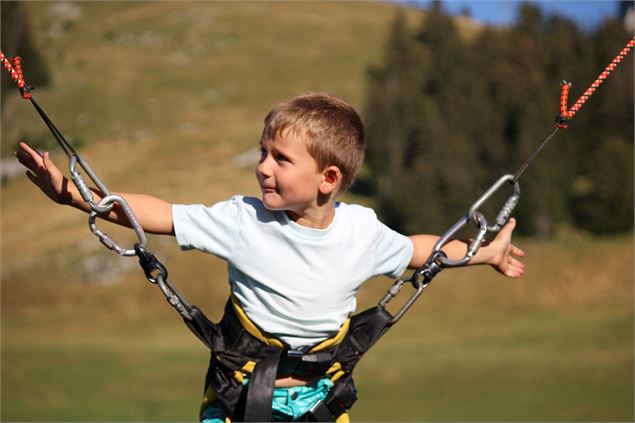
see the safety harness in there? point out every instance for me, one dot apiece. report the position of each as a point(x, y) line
point(239, 349)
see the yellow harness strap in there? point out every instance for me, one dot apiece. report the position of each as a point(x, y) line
point(271, 341)
point(252, 328)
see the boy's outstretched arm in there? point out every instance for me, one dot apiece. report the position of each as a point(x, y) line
point(500, 253)
point(153, 214)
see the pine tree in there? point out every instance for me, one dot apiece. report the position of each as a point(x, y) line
point(448, 168)
point(392, 114)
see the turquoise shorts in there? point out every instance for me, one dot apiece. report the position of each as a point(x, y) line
point(288, 404)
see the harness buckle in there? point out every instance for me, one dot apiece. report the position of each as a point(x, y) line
point(297, 363)
point(341, 398)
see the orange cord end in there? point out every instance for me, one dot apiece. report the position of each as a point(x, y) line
point(564, 115)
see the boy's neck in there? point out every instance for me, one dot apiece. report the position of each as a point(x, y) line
point(317, 218)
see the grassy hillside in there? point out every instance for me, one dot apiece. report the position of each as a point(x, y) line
point(162, 97)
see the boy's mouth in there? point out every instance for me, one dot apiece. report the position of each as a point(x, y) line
point(268, 190)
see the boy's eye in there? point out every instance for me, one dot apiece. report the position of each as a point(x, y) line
point(277, 156)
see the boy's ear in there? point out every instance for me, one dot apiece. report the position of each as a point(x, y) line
point(331, 180)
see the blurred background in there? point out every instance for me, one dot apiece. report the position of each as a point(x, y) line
point(168, 98)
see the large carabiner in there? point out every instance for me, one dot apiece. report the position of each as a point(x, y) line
point(507, 209)
point(107, 203)
point(476, 217)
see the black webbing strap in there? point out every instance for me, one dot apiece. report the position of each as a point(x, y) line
point(205, 330)
point(260, 388)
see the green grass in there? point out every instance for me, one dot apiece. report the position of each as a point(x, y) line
point(87, 384)
point(162, 96)
point(528, 366)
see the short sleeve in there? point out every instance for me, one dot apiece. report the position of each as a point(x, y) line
point(212, 229)
point(393, 251)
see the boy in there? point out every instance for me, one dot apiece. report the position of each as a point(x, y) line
point(296, 257)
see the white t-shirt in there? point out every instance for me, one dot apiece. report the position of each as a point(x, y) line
point(296, 283)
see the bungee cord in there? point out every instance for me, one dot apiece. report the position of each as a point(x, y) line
point(567, 114)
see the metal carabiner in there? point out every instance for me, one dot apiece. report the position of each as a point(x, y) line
point(438, 260)
point(447, 237)
point(476, 217)
point(420, 280)
point(134, 223)
point(394, 290)
point(480, 237)
point(506, 211)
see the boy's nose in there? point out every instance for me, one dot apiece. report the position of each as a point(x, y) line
point(263, 168)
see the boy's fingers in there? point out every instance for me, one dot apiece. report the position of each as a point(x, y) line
point(39, 164)
point(50, 166)
point(46, 159)
point(515, 270)
point(510, 226)
point(517, 251)
point(28, 156)
point(516, 264)
point(31, 151)
point(26, 161)
point(514, 274)
point(35, 155)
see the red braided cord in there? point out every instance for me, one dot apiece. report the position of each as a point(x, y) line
point(564, 90)
point(14, 68)
point(564, 97)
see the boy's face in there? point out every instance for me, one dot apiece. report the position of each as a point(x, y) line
point(288, 175)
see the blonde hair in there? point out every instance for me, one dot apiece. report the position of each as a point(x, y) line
point(331, 129)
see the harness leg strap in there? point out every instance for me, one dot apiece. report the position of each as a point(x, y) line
point(260, 388)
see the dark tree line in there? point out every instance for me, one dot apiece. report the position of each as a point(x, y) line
point(446, 116)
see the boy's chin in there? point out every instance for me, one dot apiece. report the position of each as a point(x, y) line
point(271, 205)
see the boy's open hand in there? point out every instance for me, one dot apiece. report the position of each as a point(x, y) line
point(504, 253)
point(44, 174)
